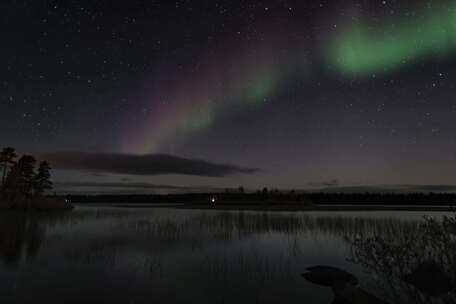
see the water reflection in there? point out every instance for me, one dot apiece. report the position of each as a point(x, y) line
point(21, 238)
point(22, 234)
point(141, 255)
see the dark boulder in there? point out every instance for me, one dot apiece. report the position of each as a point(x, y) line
point(329, 276)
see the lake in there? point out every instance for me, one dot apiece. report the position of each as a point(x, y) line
point(169, 255)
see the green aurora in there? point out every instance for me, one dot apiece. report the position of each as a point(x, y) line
point(359, 51)
point(362, 49)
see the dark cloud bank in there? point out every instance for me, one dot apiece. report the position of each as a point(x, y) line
point(149, 164)
point(128, 188)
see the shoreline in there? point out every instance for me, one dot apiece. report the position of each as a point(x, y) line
point(274, 207)
point(40, 205)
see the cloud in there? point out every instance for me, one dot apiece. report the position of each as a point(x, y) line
point(119, 185)
point(329, 183)
point(148, 164)
point(72, 187)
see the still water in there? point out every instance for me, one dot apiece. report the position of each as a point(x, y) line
point(167, 255)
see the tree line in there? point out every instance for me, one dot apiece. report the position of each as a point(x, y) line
point(276, 196)
point(20, 180)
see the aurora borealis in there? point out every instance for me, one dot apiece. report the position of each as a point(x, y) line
point(362, 50)
point(198, 98)
point(361, 92)
point(357, 50)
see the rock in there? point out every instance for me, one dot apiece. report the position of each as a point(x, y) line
point(343, 284)
point(329, 276)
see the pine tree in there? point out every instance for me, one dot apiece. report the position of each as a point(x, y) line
point(7, 157)
point(26, 174)
point(11, 185)
point(42, 180)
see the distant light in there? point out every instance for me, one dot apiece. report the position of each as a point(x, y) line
point(213, 199)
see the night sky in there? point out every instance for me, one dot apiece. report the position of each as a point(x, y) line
point(287, 94)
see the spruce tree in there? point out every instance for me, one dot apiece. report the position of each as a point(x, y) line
point(42, 180)
point(7, 156)
point(26, 165)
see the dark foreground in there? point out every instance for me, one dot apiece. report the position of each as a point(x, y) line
point(169, 255)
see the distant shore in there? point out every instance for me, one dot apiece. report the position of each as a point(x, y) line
point(41, 204)
point(271, 199)
point(278, 201)
point(325, 207)
point(279, 207)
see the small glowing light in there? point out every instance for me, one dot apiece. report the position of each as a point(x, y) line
point(213, 200)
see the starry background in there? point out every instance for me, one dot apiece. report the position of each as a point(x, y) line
point(309, 92)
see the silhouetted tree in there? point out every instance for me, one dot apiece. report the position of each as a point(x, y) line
point(20, 183)
point(7, 157)
point(27, 165)
point(42, 180)
point(19, 180)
